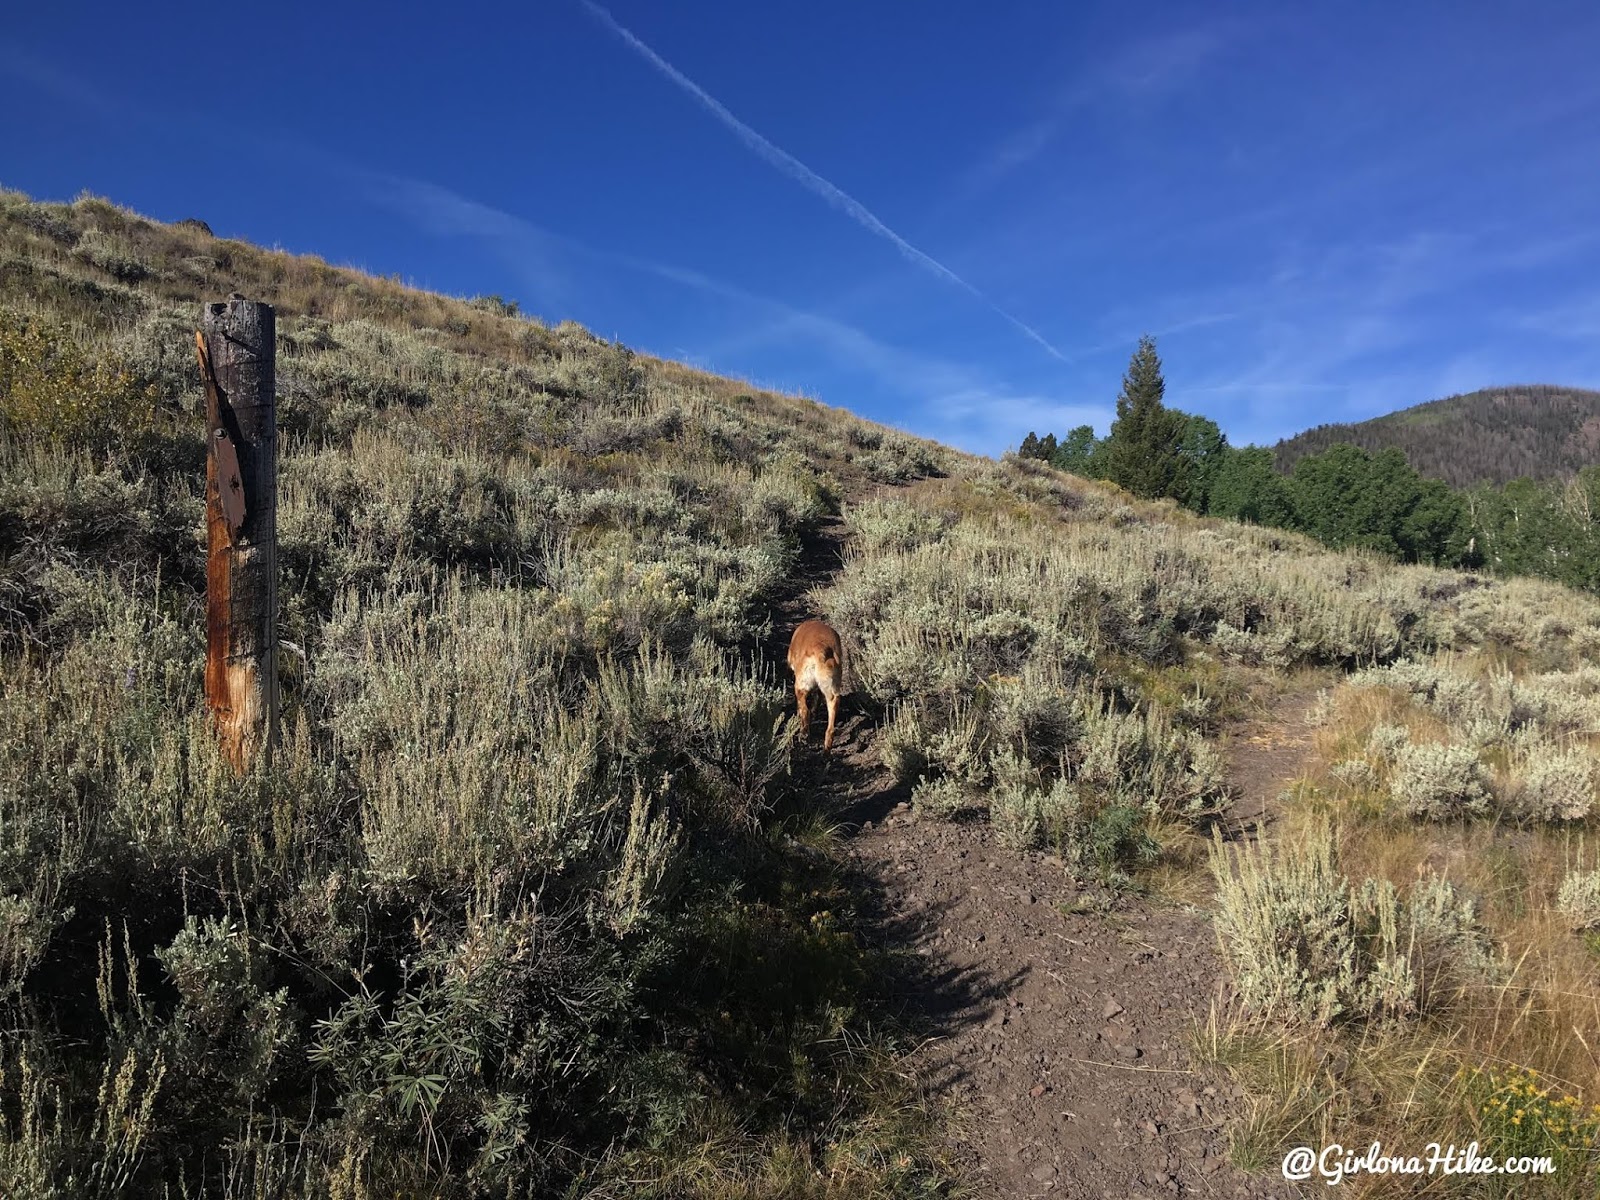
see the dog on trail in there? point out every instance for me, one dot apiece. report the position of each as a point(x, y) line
point(817, 659)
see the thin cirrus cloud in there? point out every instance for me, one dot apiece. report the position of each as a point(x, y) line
point(950, 400)
point(60, 84)
point(1576, 320)
point(1148, 70)
point(538, 257)
point(786, 163)
point(445, 213)
point(1352, 329)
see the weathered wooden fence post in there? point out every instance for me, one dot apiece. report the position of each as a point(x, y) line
point(235, 346)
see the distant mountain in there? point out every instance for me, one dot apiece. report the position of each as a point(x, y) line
point(1490, 436)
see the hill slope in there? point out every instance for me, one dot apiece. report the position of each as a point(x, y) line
point(533, 827)
point(1489, 436)
point(542, 895)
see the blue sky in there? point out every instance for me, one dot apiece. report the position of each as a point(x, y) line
point(953, 219)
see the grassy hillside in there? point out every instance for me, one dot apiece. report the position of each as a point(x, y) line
point(530, 893)
point(540, 896)
point(1490, 436)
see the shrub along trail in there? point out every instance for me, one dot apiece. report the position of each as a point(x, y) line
point(1058, 1022)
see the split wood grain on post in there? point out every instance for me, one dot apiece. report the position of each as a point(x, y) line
point(235, 348)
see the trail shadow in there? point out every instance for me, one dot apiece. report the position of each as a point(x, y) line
point(932, 998)
point(820, 562)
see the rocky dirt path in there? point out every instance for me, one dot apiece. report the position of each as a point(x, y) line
point(1060, 1034)
point(1266, 751)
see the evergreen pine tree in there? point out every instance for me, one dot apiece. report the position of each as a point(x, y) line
point(1030, 446)
point(1142, 453)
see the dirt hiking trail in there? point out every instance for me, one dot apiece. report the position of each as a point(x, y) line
point(1059, 1034)
point(1264, 753)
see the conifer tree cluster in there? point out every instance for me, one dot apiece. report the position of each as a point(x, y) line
point(1152, 451)
point(1345, 495)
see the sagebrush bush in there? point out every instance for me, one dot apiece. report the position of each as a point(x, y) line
point(1492, 737)
point(1387, 743)
point(883, 524)
point(1439, 782)
point(896, 458)
point(1557, 785)
point(1579, 899)
point(1355, 773)
point(1446, 944)
point(1306, 945)
point(113, 255)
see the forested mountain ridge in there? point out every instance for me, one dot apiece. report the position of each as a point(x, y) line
point(1493, 435)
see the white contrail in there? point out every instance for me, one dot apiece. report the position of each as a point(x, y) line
point(803, 174)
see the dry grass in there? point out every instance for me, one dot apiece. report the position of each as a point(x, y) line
point(1499, 1061)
